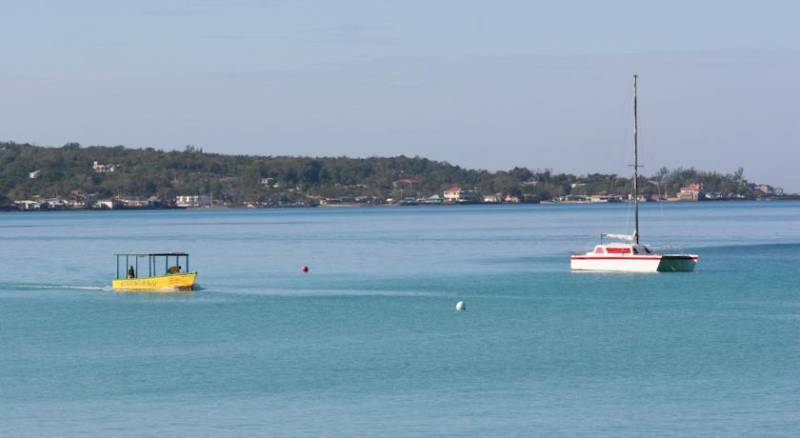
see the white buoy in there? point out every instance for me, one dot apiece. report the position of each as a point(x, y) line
point(460, 306)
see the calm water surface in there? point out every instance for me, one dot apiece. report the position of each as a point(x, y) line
point(368, 343)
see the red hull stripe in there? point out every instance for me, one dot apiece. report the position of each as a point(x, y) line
point(634, 258)
point(631, 258)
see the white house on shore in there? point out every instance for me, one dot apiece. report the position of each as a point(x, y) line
point(28, 205)
point(511, 199)
point(458, 194)
point(193, 201)
point(493, 199)
point(107, 204)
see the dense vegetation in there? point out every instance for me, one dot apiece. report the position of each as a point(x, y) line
point(67, 171)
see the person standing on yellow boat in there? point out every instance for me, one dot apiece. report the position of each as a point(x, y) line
point(131, 272)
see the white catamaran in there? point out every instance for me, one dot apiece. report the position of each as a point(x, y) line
point(629, 255)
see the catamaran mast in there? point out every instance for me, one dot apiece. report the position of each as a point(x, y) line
point(636, 153)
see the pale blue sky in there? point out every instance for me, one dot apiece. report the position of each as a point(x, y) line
point(486, 84)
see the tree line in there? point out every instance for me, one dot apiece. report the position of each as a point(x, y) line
point(27, 170)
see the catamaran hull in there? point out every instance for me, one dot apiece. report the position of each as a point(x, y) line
point(633, 263)
point(677, 263)
point(163, 283)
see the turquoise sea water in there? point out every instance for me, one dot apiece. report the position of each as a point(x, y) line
point(368, 343)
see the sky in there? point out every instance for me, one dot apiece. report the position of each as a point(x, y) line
point(482, 84)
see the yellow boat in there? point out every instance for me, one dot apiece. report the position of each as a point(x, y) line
point(169, 278)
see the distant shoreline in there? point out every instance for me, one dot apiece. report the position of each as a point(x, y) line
point(366, 206)
point(99, 177)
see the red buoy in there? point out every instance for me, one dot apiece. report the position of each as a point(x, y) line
point(304, 268)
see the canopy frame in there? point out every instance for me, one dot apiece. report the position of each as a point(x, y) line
point(153, 263)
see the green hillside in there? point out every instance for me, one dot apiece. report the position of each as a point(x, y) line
point(237, 179)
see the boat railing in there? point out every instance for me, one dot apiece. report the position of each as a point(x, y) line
point(153, 263)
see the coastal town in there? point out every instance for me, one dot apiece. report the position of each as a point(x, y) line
point(453, 195)
point(73, 177)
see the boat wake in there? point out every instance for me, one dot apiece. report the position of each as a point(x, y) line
point(51, 286)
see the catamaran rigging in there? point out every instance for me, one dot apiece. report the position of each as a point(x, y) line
point(631, 255)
